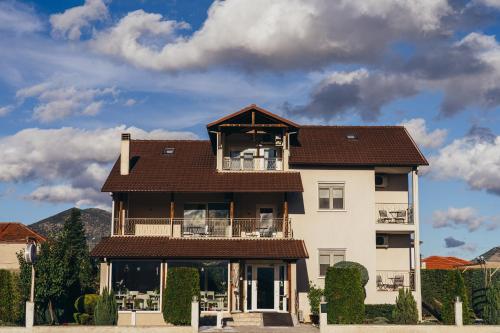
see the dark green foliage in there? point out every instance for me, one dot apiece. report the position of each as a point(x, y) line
point(106, 309)
point(373, 311)
point(454, 287)
point(345, 296)
point(314, 295)
point(182, 284)
point(405, 311)
point(24, 285)
point(351, 264)
point(10, 299)
point(85, 306)
point(491, 311)
point(475, 283)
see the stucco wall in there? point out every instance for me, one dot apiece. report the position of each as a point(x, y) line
point(8, 259)
point(97, 329)
point(396, 190)
point(409, 329)
point(141, 319)
point(397, 256)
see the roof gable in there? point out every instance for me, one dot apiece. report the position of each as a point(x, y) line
point(14, 232)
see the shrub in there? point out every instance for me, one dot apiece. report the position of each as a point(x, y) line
point(314, 295)
point(345, 296)
point(454, 287)
point(491, 311)
point(85, 307)
point(106, 309)
point(405, 311)
point(182, 284)
point(10, 298)
point(376, 311)
point(351, 264)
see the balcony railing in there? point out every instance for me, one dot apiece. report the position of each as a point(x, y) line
point(398, 213)
point(209, 227)
point(253, 163)
point(394, 280)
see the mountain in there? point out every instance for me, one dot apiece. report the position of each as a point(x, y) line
point(97, 224)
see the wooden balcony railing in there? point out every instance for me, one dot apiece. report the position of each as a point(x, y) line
point(398, 213)
point(252, 164)
point(394, 280)
point(209, 227)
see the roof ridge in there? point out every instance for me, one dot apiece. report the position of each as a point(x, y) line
point(352, 126)
point(169, 140)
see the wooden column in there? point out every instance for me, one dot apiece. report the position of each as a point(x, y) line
point(285, 216)
point(172, 213)
point(289, 291)
point(231, 214)
point(121, 216)
point(293, 287)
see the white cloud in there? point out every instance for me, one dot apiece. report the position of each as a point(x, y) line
point(279, 34)
point(57, 100)
point(474, 159)
point(422, 136)
point(130, 102)
point(4, 110)
point(70, 23)
point(462, 217)
point(66, 159)
point(18, 18)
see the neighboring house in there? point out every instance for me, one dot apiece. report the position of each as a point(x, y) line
point(490, 256)
point(13, 238)
point(438, 262)
point(261, 209)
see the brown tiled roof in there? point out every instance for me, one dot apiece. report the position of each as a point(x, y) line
point(438, 262)
point(15, 232)
point(185, 248)
point(191, 168)
point(373, 146)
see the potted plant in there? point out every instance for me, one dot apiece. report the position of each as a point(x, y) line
point(314, 295)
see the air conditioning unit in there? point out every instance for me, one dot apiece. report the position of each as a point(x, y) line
point(381, 181)
point(382, 240)
point(278, 141)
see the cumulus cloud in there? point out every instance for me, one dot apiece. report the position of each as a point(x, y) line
point(69, 164)
point(422, 136)
point(359, 91)
point(57, 101)
point(463, 217)
point(70, 23)
point(280, 34)
point(451, 242)
point(474, 159)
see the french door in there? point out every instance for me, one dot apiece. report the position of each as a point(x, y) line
point(266, 287)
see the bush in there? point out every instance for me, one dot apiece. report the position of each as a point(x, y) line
point(377, 311)
point(182, 284)
point(85, 307)
point(345, 296)
point(314, 295)
point(491, 313)
point(454, 287)
point(351, 264)
point(405, 311)
point(10, 298)
point(106, 309)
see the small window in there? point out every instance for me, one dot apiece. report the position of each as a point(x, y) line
point(382, 240)
point(331, 196)
point(329, 257)
point(168, 151)
point(351, 137)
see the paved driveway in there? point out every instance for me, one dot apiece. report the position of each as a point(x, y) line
point(260, 329)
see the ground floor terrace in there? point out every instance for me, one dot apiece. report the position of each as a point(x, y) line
point(236, 276)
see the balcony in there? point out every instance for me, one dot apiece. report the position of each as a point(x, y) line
point(394, 213)
point(394, 280)
point(254, 163)
point(204, 228)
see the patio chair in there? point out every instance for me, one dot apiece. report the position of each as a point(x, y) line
point(399, 281)
point(400, 216)
point(384, 216)
point(380, 284)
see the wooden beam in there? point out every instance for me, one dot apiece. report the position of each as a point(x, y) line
point(231, 214)
point(285, 215)
point(172, 213)
point(254, 125)
point(121, 218)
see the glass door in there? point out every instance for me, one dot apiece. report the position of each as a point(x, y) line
point(265, 288)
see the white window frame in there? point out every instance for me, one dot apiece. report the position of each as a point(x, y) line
point(331, 185)
point(332, 253)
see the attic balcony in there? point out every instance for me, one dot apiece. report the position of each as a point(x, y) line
point(253, 163)
point(204, 228)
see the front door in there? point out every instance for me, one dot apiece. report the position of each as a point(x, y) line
point(265, 288)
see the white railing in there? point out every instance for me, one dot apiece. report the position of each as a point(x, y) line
point(208, 227)
point(399, 213)
point(253, 164)
point(388, 280)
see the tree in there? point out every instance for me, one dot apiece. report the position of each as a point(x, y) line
point(405, 311)
point(106, 309)
point(455, 286)
point(24, 283)
point(491, 310)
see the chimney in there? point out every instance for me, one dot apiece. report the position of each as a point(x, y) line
point(125, 154)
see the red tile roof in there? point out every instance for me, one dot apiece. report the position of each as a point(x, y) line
point(372, 146)
point(438, 262)
point(14, 232)
point(185, 248)
point(191, 168)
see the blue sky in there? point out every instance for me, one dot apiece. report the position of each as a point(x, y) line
point(74, 74)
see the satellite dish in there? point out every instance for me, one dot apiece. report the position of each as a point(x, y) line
point(30, 253)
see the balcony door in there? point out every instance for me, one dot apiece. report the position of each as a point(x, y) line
point(265, 216)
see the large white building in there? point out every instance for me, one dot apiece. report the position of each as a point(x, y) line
point(262, 209)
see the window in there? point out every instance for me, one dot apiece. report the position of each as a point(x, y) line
point(328, 257)
point(331, 196)
point(382, 240)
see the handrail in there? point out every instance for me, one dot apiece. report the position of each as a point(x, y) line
point(394, 212)
point(255, 163)
point(392, 280)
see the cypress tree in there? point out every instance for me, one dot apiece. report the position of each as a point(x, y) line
point(405, 311)
point(455, 286)
point(491, 310)
point(106, 309)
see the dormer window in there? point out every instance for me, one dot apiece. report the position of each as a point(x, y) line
point(351, 136)
point(168, 151)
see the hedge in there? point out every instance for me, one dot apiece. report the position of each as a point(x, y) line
point(375, 311)
point(10, 298)
point(345, 296)
point(351, 264)
point(85, 306)
point(182, 284)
